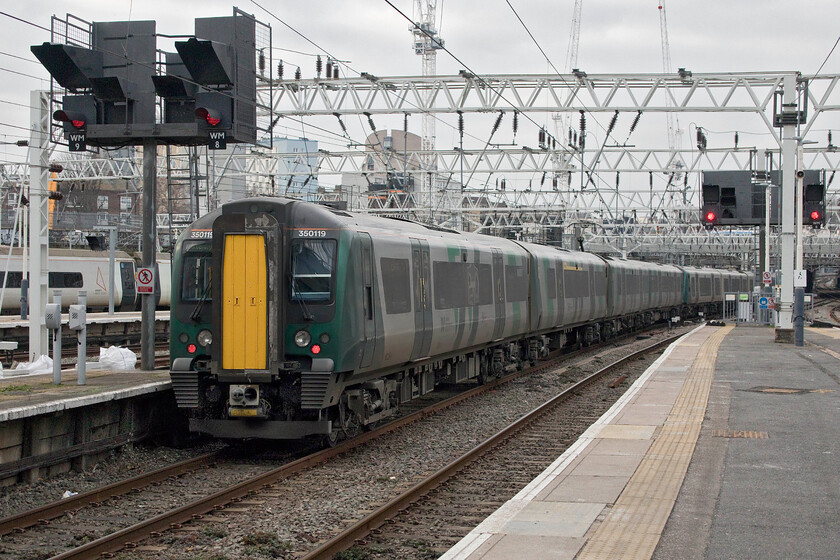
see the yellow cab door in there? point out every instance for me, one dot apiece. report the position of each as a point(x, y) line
point(244, 302)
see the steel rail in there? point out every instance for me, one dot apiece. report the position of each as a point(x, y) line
point(376, 519)
point(130, 536)
point(47, 512)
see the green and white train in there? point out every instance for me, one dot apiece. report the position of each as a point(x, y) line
point(290, 319)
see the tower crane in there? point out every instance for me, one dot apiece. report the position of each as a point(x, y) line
point(672, 121)
point(426, 44)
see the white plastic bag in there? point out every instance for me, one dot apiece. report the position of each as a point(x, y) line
point(43, 364)
point(116, 358)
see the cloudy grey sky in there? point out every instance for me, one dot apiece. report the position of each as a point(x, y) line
point(617, 36)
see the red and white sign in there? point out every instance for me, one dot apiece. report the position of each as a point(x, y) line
point(767, 277)
point(145, 281)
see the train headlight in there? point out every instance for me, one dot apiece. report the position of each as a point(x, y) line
point(205, 338)
point(302, 339)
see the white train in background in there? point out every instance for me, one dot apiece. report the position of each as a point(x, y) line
point(71, 270)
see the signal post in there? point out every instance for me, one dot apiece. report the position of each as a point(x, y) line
point(112, 87)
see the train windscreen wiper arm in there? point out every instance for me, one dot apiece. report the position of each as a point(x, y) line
point(201, 301)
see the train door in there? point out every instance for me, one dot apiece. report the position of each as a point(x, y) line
point(129, 294)
point(244, 302)
point(422, 280)
point(369, 345)
point(499, 293)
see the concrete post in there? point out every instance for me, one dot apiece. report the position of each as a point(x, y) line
point(81, 354)
point(784, 327)
point(56, 342)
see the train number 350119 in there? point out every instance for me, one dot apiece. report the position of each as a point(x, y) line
point(312, 233)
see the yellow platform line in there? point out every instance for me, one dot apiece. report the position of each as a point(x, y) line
point(635, 523)
point(833, 333)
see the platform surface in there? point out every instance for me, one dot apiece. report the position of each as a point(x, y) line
point(31, 395)
point(725, 448)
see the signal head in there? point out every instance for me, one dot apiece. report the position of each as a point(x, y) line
point(209, 115)
point(78, 121)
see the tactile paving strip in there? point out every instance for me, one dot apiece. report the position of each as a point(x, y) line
point(635, 523)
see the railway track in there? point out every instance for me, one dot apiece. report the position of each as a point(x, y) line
point(209, 504)
point(439, 510)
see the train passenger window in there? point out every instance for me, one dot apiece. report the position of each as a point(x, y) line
point(65, 280)
point(452, 285)
point(313, 261)
point(13, 280)
point(551, 283)
point(195, 274)
point(516, 283)
point(397, 285)
point(485, 284)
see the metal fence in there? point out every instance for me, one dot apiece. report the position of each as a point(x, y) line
point(758, 309)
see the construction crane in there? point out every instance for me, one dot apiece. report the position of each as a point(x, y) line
point(426, 44)
point(672, 121)
point(574, 38)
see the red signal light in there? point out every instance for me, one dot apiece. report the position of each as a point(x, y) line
point(212, 116)
point(74, 120)
point(710, 216)
point(815, 215)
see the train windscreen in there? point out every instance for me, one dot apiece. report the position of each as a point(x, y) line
point(313, 261)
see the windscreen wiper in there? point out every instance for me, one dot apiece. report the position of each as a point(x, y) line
point(201, 301)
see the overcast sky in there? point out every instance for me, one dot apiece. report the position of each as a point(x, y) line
point(616, 36)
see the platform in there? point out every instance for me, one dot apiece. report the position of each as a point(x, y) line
point(726, 447)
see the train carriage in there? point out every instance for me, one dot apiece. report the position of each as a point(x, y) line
point(290, 319)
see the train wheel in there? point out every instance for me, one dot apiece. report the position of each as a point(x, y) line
point(331, 439)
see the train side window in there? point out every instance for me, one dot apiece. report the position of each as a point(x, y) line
point(65, 280)
point(397, 285)
point(516, 283)
point(551, 283)
point(485, 284)
point(196, 272)
point(313, 261)
point(13, 280)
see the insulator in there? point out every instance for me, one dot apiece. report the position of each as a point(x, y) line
point(571, 137)
point(830, 179)
point(736, 139)
point(318, 66)
point(329, 68)
point(582, 122)
point(498, 122)
point(341, 123)
point(829, 138)
point(515, 122)
point(612, 123)
point(542, 179)
point(503, 184)
point(460, 123)
point(297, 73)
point(635, 121)
point(335, 72)
point(617, 178)
point(280, 69)
point(370, 121)
point(650, 179)
point(554, 182)
point(405, 122)
point(262, 62)
point(542, 137)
